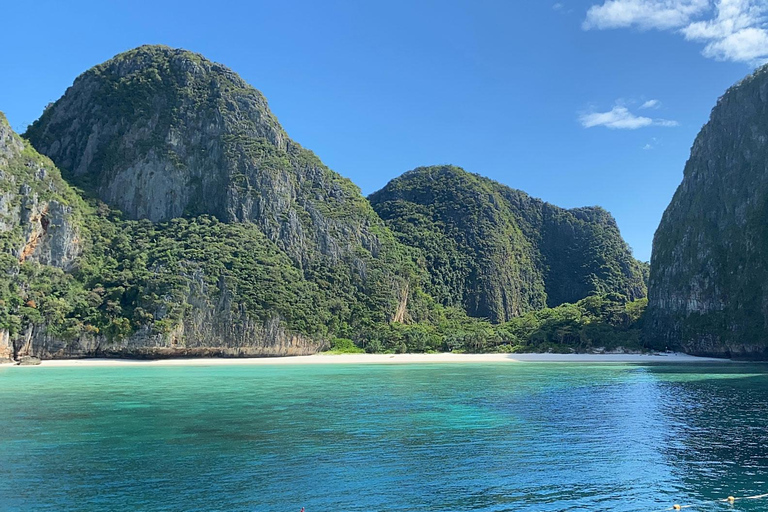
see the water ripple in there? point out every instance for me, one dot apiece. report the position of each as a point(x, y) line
point(490, 438)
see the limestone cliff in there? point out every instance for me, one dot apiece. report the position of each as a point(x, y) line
point(160, 133)
point(497, 252)
point(78, 281)
point(198, 227)
point(216, 234)
point(38, 217)
point(708, 290)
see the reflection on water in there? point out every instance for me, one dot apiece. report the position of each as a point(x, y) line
point(719, 418)
point(490, 437)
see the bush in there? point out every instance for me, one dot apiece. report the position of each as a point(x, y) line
point(344, 346)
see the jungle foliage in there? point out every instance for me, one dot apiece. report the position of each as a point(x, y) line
point(458, 263)
point(497, 252)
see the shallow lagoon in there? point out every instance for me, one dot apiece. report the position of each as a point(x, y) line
point(438, 437)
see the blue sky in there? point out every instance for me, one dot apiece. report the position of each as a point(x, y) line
point(577, 102)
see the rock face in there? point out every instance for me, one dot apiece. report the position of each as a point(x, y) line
point(498, 252)
point(200, 334)
point(203, 229)
point(217, 234)
point(58, 299)
point(37, 219)
point(6, 347)
point(708, 291)
point(160, 133)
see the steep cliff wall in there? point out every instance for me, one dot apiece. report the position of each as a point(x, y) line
point(39, 220)
point(78, 281)
point(498, 252)
point(203, 229)
point(708, 290)
point(216, 234)
point(212, 325)
point(160, 133)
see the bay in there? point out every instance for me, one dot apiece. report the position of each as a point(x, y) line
point(439, 437)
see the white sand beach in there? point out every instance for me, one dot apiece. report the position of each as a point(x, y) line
point(391, 359)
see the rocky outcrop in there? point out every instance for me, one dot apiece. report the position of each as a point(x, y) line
point(203, 229)
point(708, 292)
point(29, 361)
point(6, 347)
point(161, 133)
point(497, 252)
point(206, 230)
point(214, 323)
point(196, 336)
point(35, 215)
point(11, 144)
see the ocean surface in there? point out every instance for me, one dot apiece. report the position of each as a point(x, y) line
point(456, 437)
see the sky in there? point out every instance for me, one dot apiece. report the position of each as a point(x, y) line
point(578, 102)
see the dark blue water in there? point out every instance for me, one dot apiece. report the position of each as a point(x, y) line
point(479, 437)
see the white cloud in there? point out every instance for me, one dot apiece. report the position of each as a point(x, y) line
point(620, 118)
point(733, 30)
point(644, 14)
point(731, 16)
point(651, 145)
point(748, 45)
point(738, 32)
point(651, 104)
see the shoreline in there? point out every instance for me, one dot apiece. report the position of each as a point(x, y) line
point(386, 359)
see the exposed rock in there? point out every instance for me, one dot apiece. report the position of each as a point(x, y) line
point(41, 219)
point(6, 347)
point(193, 338)
point(33, 212)
point(212, 325)
point(172, 139)
point(708, 292)
point(29, 361)
point(11, 145)
point(162, 133)
point(233, 240)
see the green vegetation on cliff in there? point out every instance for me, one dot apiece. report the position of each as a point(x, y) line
point(163, 135)
point(499, 253)
point(595, 323)
point(200, 228)
point(709, 270)
point(138, 279)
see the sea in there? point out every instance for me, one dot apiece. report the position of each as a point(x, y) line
point(455, 437)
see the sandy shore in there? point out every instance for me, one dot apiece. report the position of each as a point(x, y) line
point(392, 359)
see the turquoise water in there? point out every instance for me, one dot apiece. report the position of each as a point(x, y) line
point(479, 437)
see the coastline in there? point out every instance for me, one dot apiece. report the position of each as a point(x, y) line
point(388, 359)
